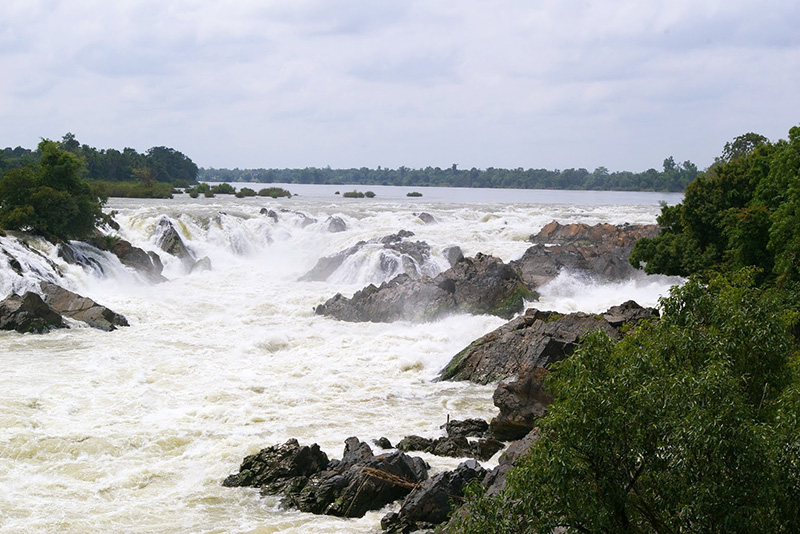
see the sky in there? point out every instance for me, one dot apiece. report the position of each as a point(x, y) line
point(551, 84)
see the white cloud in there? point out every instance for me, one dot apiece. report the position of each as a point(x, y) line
point(505, 83)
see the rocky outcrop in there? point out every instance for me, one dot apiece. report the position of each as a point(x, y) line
point(349, 487)
point(335, 224)
point(397, 253)
point(170, 241)
point(453, 254)
point(147, 264)
point(536, 339)
point(80, 308)
point(495, 479)
point(521, 403)
point(469, 428)
point(28, 313)
point(601, 251)
point(430, 503)
point(426, 217)
point(452, 446)
point(480, 285)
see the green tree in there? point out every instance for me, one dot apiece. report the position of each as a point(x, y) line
point(689, 424)
point(49, 198)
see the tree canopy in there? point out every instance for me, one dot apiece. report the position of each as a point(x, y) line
point(49, 197)
point(689, 424)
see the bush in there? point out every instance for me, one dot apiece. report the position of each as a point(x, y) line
point(353, 194)
point(223, 189)
point(274, 192)
point(414, 194)
point(369, 194)
point(245, 192)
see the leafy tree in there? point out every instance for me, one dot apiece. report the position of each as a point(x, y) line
point(49, 198)
point(689, 424)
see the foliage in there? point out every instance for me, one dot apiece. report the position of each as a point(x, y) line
point(133, 189)
point(274, 192)
point(353, 194)
point(245, 192)
point(414, 194)
point(673, 177)
point(49, 197)
point(110, 165)
point(223, 189)
point(743, 212)
point(689, 424)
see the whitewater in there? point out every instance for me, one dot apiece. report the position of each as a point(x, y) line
point(133, 431)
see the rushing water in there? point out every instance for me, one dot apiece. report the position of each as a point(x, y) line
point(133, 430)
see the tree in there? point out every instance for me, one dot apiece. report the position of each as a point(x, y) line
point(49, 198)
point(686, 425)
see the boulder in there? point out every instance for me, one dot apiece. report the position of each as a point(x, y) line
point(203, 264)
point(453, 255)
point(335, 224)
point(80, 308)
point(601, 251)
point(431, 502)
point(521, 403)
point(536, 339)
point(480, 285)
point(396, 252)
point(468, 428)
point(452, 446)
point(425, 217)
point(495, 480)
point(148, 264)
point(269, 213)
point(349, 487)
point(28, 313)
point(170, 241)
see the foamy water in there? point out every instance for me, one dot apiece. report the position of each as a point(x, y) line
point(133, 430)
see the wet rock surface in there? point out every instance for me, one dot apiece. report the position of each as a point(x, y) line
point(479, 285)
point(170, 241)
point(600, 251)
point(80, 308)
point(349, 487)
point(521, 403)
point(147, 264)
point(452, 446)
point(536, 339)
point(28, 313)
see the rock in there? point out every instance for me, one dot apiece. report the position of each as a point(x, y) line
point(203, 264)
point(427, 218)
point(269, 213)
point(148, 264)
point(521, 403)
point(275, 467)
point(431, 502)
point(300, 219)
point(80, 308)
point(383, 443)
point(453, 254)
point(335, 224)
point(482, 285)
point(170, 241)
point(359, 483)
point(397, 254)
point(601, 251)
point(495, 480)
point(349, 487)
point(475, 428)
point(28, 313)
point(536, 339)
point(452, 446)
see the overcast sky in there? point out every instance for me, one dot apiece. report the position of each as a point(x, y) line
point(351, 83)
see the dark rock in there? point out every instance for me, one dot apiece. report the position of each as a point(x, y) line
point(495, 480)
point(269, 213)
point(80, 308)
point(521, 403)
point(396, 251)
point(482, 285)
point(431, 502)
point(148, 264)
point(453, 255)
point(474, 428)
point(453, 447)
point(359, 482)
point(335, 224)
point(600, 251)
point(427, 218)
point(28, 313)
point(536, 339)
point(170, 241)
point(275, 467)
point(383, 443)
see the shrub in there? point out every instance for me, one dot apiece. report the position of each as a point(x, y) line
point(274, 192)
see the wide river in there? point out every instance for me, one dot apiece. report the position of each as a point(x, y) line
point(132, 431)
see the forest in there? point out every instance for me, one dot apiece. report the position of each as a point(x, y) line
point(672, 178)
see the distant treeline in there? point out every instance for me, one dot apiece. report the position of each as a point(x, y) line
point(158, 164)
point(674, 177)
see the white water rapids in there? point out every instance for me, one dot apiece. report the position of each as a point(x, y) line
point(132, 431)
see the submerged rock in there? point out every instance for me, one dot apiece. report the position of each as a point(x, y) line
point(80, 308)
point(28, 313)
point(479, 285)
